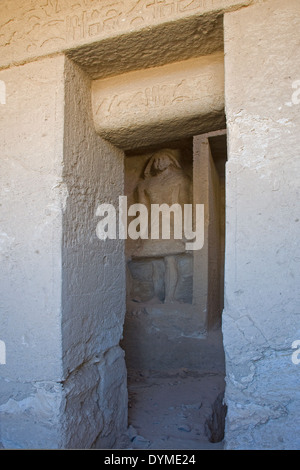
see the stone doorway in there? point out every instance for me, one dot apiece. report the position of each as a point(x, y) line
point(172, 332)
point(110, 125)
point(64, 381)
point(107, 126)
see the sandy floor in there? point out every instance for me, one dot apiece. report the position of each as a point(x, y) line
point(173, 410)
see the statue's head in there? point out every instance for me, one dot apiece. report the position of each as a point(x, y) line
point(161, 160)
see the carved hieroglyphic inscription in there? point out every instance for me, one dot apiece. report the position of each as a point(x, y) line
point(155, 96)
point(35, 28)
point(174, 85)
point(118, 15)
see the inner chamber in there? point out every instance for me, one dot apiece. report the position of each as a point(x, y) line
point(172, 333)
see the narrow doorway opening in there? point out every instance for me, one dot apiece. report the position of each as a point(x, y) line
point(172, 333)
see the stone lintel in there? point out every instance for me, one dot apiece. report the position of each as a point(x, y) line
point(160, 104)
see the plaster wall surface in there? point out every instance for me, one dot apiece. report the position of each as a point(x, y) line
point(261, 317)
point(33, 196)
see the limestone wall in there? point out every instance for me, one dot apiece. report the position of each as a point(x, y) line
point(63, 299)
point(31, 29)
point(261, 317)
point(208, 262)
point(93, 279)
point(60, 328)
point(33, 197)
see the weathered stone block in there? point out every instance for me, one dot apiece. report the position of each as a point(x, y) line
point(159, 104)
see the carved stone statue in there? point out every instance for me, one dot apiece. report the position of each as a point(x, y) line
point(164, 180)
point(164, 183)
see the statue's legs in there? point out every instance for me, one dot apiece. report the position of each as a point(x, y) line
point(171, 278)
point(158, 282)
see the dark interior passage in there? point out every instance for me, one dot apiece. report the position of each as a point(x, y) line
point(172, 333)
